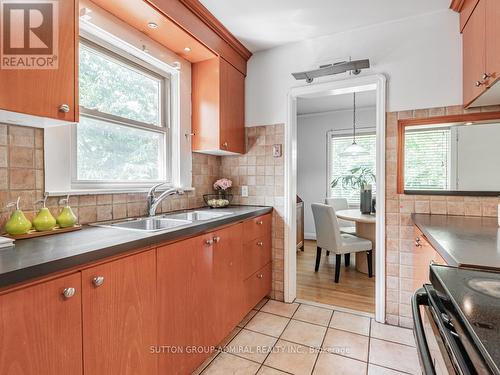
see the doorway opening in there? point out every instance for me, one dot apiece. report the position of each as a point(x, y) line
point(335, 143)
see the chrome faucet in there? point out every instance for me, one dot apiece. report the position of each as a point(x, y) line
point(153, 201)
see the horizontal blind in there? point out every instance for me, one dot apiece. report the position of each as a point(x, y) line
point(339, 165)
point(427, 159)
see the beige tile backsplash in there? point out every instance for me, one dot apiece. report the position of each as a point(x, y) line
point(22, 174)
point(400, 259)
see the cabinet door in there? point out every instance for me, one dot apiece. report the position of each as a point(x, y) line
point(474, 35)
point(185, 303)
point(120, 317)
point(41, 330)
point(492, 40)
point(41, 92)
point(228, 280)
point(232, 108)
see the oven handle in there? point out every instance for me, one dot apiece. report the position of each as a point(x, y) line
point(420, 298)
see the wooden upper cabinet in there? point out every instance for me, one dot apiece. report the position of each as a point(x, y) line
point(43, 92)
point(218, 102)
point(493, 41)
point(41, 330)
point(481, 51)
point(120, 316)
point(474, 54)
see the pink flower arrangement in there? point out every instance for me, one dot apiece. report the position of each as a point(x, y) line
point(223, 184)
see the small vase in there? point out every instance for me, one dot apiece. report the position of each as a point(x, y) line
point(365, 201)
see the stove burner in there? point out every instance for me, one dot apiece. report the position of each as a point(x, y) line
point(489, 287)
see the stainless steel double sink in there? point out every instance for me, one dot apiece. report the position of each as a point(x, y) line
point(163, 222)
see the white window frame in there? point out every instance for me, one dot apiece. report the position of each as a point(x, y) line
point(337, 134)
point(58, 139)
point(131, 62)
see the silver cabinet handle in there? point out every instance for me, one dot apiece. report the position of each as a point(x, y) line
point(98, 281)
point(216, 239)
point(260, 243)
point(486, 76)
point(260, 222)
point(209, 242)
point(64, 108)
point(417, 242)
point(68, 292)
point(225, 145)
point(260, 276)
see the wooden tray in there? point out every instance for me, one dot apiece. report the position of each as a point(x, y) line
point(33, 233)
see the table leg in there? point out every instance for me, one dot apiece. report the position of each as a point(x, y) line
point(367, 231)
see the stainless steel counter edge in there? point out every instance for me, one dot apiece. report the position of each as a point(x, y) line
point(35, 258)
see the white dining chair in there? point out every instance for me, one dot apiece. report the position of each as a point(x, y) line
point(328, 237)
point(342, 204)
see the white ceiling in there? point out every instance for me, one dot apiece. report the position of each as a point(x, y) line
point(263, 24)
point(335, 102)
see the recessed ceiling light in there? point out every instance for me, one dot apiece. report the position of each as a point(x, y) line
point(187, 49)
point(152, 25)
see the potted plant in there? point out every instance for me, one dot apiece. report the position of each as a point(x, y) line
point(359, 178)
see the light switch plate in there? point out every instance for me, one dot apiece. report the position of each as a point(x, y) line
point(244, 191)
point(277, 150)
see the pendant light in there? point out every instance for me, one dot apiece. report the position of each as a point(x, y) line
point(354, 149)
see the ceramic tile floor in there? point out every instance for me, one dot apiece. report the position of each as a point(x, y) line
point(277, 338)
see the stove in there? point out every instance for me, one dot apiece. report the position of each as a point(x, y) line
point(459, 313)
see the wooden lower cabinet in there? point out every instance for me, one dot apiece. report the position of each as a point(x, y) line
point(41, 330)
point(120, 316)
point(257, 286)
point(186, 319)
point(228, 280)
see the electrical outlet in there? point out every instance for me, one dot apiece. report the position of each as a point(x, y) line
point(244, 191)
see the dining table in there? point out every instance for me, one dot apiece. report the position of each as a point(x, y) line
point(365, 228)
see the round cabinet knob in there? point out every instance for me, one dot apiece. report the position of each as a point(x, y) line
point(260, 276)
point(68, 292)
point(260, 243)
point(486, 76)
point(417, 242)
point(216, 239)
point(260, 222)
point(479, 83)
point(209, 242)
point(64, 108)
point(225, 145)
point(98, 281)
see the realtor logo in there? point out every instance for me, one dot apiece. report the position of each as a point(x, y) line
point(29, 34)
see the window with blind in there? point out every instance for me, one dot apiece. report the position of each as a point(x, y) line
point(427, 159)
point(340, 165)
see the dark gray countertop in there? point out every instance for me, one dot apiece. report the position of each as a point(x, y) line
point(32, 258)
point(463, 241)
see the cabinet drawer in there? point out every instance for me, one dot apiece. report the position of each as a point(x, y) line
point(256, 254)
point(256, 227)
point(258, 286)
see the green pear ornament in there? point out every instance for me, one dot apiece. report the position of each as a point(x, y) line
point(18, 223)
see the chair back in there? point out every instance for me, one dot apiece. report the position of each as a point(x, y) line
point(328, 235)
point(337, 203)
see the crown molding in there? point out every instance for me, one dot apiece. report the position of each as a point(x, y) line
point(209, 19)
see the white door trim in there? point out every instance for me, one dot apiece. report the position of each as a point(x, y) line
point(372, 82)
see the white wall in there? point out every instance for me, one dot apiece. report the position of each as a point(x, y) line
point(312, 152)
point(421, 57)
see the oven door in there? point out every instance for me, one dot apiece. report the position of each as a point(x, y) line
point(438, 345)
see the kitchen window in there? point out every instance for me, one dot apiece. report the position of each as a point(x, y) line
point(122, 139)
point(427, 159)
point(339, 165)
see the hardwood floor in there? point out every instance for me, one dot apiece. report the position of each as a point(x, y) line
point(354, 291)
